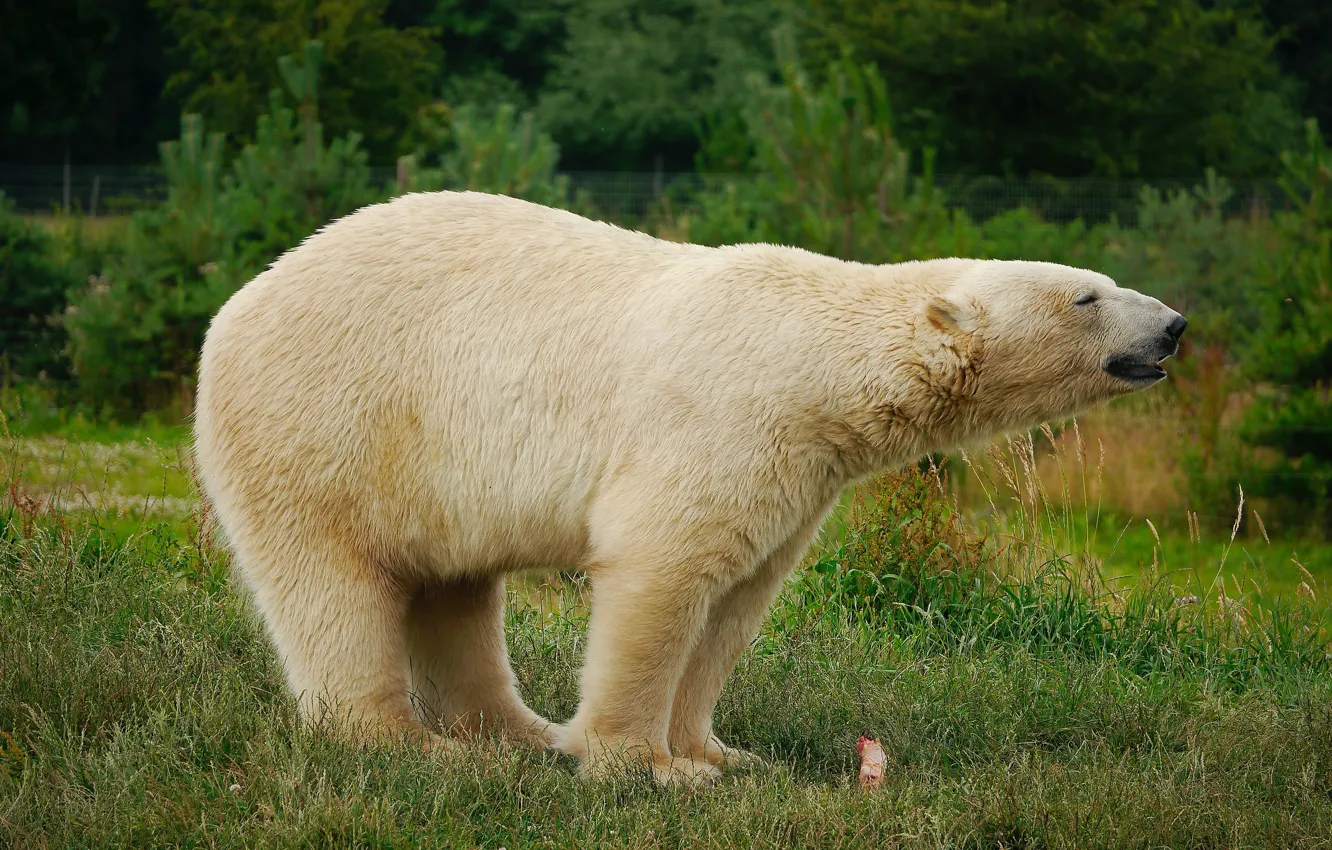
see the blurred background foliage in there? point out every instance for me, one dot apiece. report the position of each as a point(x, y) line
point(1151, 88)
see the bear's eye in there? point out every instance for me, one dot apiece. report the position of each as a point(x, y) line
point(1083, 301)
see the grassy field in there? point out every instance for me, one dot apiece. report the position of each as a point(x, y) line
point(1026, 696)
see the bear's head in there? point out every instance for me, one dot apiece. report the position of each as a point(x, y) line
point(1023, 342)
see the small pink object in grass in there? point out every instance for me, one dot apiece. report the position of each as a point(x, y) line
point(873, 760)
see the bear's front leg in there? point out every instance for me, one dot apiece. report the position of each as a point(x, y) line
point(647, 618)
point(733, 620)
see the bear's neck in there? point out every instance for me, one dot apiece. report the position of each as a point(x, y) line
point(877, 403)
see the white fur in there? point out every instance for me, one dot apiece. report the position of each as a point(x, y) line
point(437, 391)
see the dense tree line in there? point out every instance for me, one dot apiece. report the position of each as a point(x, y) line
point(1109, 87)
point(1152, 88)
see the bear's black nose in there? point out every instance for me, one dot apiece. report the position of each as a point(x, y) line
point(1176, 329)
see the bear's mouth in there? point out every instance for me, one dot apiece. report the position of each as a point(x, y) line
point(1135, 371)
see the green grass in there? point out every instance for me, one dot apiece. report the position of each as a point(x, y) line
point(141, 705)
point(117, 477)
point(1129, 548)
point(1055, 514)
point(1278, 567)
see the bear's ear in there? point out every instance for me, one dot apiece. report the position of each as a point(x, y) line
point(951, 316)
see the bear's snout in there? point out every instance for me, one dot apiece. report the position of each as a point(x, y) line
point(1173, 332)
point(1177, 326)
point(1141, 364)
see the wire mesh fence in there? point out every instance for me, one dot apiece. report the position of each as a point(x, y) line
point(100, 190)
point(86, 189)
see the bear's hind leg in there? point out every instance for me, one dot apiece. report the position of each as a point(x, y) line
point(461, 679)
point(337, 623)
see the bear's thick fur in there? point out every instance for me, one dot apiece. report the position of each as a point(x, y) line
point(434, 392)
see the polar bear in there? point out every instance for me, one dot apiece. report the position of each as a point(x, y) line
point(438, 391)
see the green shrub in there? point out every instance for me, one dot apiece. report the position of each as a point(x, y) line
point(897, 537)
point(1021, 234)
point(34, 285)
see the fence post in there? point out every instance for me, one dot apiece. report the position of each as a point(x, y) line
point(66, 186)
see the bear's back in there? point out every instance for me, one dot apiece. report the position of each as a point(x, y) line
point(459, 237)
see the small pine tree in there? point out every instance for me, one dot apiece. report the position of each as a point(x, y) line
point(501, 152)
point(1291, 351)
point(830, 175)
